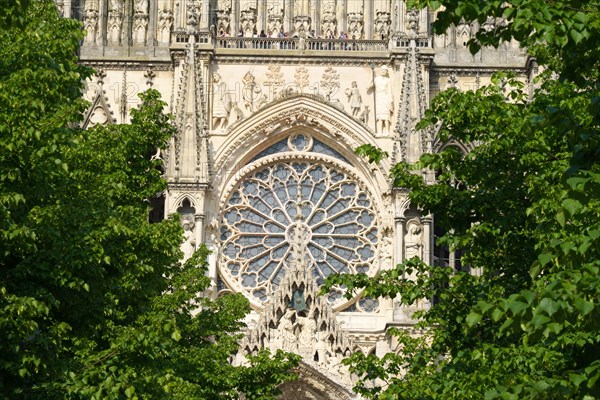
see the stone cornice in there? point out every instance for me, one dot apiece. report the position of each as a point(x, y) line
point(130, 66)
point(301, 59)
point(463, 70)
point(186, 186)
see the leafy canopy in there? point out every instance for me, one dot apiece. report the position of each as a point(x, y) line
point(94, 302)
point(523, 320)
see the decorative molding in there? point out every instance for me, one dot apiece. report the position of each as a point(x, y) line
point(271, 118)
point(100, 108)
point(130, 66)
point(437, 69)
point(347, 60)
point(297, 319)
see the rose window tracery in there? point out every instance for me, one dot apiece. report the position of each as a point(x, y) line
point(286, 203)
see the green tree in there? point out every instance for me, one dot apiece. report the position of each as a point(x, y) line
point(524, 209)
point(94, 302)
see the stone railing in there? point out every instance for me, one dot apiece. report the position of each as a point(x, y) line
point(406, 42)
point(179, 38)
point(301, 44)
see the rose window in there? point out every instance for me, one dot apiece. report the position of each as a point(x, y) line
point(283, 206)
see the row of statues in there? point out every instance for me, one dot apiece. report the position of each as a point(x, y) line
point(226, 111)
point(112, 32)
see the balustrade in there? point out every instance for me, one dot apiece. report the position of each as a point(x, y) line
point(301, 44)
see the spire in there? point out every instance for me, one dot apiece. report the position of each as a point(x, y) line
point(190, 161)
point(411, 143)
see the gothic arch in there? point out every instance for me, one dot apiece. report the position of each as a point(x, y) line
point(185, 200)
point(464, 148)
point(284, 117)
point(313, 385)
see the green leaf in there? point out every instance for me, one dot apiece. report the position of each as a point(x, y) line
point(549, 306)
point(473, 318)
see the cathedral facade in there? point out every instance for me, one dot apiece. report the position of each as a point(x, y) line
point(270, 99)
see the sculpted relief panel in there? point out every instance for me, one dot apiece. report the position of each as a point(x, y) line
point(237, 93)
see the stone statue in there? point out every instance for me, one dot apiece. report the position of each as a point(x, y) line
point(355, 99)
point(286, 330)
point(413, 240)
point(221, 103)
point(412, 25)
point(383, 101)
point(251, 92)
point(189, 244)
point(193, 15)
point(364, 115)
point(141, 7)
point(116, 5)
point(308, 330)
point(387, 252)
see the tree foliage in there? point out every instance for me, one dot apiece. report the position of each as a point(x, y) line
point(523, 207)
point(94, 302)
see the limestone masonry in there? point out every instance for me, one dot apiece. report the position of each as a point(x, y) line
point(270, 100)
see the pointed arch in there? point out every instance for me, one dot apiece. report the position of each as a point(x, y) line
point(313, 385)
point(464, 148)
point(293, 114)
point(184, 200)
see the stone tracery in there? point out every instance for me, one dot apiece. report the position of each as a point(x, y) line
point(292, 200)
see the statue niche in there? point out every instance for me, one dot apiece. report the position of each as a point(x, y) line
point(115, 22)
point(382, 25)
point(165, 22)
point(140, 23)
point(355, 25)
point(248, 22)
point(275, 21)
point(90, 24)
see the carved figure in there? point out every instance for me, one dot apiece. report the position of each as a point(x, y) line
point(252, 91)
point(141, 6)
point(329, 25)
point(308, 330)
point(413, 240)
point(193, 15)
point(489, 24)
point(248, 22)
point(383, 101)
point(236, 113)
point(221, 103)
point(286, 328)
point(382, 25)
point(355, 99)
point(387, 252)
point(355, 25)
point(275, 20)
point(413, 21)
point(189, 244)
point(364, 115)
